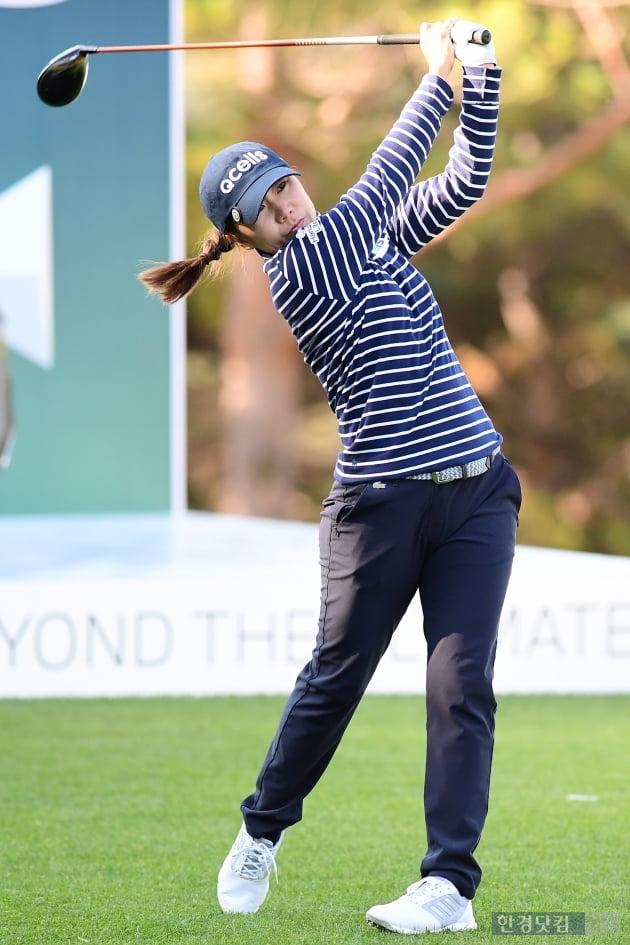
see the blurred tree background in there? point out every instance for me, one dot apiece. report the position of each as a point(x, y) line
point(534, 283)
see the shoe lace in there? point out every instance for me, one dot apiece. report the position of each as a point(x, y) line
point(256, 860)
point(428, 887)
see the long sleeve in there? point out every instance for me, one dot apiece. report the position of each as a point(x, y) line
point(433, 204)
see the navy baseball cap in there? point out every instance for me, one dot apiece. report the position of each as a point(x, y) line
point(235, 181)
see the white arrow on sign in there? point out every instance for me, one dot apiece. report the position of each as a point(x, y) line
point(26, 267)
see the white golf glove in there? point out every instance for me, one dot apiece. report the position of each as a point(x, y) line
point(469, 53)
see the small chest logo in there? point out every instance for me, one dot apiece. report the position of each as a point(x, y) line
point(311, 231)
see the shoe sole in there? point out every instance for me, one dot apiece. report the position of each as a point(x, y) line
point(455, 927)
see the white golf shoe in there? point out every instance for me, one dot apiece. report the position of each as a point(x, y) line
point(243, 881)
point(432, 905)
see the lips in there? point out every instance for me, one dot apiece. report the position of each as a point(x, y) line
point(298, 226)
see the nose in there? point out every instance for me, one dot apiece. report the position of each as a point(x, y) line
point(283, 210)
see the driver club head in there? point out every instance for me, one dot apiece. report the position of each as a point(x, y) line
point(62, 80)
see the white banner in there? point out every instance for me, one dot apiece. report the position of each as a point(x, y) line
point(205, 605)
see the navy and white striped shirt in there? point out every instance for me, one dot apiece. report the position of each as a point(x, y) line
point(366, 321)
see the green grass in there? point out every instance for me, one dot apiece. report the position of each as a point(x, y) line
point(115, 816)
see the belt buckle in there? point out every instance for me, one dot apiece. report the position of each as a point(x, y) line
point(440, 479)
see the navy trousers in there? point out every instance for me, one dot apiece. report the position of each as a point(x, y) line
point(380, 544)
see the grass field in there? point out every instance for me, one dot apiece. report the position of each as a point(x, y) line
point(115, 816)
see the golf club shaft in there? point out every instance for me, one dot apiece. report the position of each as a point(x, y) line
point(386, 39)
point(62, 80)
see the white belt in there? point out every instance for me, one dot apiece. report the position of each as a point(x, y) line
point(466, 471)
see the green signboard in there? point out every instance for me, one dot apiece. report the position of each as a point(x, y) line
point(89, 193)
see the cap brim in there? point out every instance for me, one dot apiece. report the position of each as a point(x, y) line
point(251, 201)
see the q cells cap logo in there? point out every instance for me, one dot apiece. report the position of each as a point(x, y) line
point(244, 164)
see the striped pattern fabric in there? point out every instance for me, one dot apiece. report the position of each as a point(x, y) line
point(366, 320)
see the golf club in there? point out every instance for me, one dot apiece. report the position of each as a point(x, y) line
point(62, 80)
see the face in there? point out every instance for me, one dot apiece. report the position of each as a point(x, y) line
point(286, 208)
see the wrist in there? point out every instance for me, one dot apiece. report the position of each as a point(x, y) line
point(441, 69)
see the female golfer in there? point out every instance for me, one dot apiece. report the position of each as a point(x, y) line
point(423, 500)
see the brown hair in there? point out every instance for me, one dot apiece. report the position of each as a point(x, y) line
point(173, 280)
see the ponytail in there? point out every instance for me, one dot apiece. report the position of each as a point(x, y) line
point(172, 281)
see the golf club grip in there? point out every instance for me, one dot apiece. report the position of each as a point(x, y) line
point(481, 37)
point(398, 39)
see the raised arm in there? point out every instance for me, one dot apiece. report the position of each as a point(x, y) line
point(432, 205)
point(329, 256)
